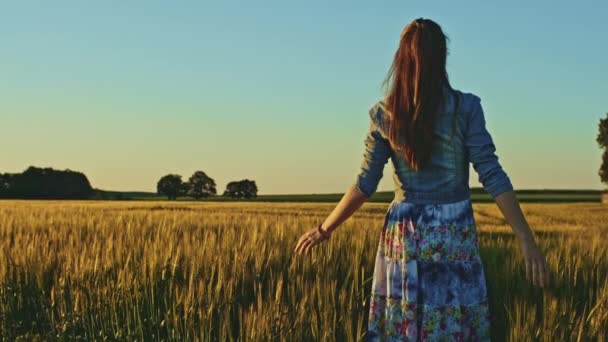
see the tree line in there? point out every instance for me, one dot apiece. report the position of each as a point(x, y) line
point(45, 183)
point(200, 185)
point(49, 183)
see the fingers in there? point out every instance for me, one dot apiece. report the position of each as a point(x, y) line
point(299, 244)
point(305, 244)
point(536, 271)
point(309, 246)
point(302, 241)
point(305, 247)
point(307, 241)
point(304, 237)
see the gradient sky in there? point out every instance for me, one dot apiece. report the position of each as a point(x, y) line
point(278, 91)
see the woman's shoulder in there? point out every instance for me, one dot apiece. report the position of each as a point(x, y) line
point(380, 115)
point(466, 101)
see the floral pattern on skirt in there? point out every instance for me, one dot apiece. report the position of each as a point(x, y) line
point(429, 282)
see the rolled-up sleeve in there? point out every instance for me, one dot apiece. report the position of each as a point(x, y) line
point(482, 154)
point(375, 156)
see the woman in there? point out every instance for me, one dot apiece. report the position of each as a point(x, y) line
point(429, 282)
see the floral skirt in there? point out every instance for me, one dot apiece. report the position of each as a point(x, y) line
point(429, 282)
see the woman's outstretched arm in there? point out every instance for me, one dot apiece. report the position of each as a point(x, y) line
point(509, 206)
point(375, 156)
point(482, 154)
point(352, 200)
point(536, 265)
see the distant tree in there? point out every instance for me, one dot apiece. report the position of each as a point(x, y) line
point(241, 189)
point(170, 185)
point(250, 189)
point(183, 189)
point(231, 190)
point(602, 140)
point(200, 185)
point(46, 183)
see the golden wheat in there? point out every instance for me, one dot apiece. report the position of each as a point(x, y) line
point(226, 271)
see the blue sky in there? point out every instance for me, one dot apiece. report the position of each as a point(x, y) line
point(278, 92)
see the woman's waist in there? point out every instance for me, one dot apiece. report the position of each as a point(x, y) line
point(436, 196)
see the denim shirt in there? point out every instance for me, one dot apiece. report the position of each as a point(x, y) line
point(461, 138)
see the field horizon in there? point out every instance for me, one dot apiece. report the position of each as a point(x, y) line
point(478, 195)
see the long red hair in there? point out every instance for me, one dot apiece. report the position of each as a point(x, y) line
point(414, 90)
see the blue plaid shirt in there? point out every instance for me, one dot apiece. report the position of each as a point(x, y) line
point(461, 138)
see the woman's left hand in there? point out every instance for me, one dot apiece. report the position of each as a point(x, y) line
point(310, 239)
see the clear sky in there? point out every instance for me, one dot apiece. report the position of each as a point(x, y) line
point(278, 91)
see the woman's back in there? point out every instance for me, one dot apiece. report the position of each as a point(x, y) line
point(428, 267)
point(460, 137)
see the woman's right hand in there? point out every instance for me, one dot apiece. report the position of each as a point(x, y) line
point(536, 264)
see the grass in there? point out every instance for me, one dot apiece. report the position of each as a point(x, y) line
point(154, 270)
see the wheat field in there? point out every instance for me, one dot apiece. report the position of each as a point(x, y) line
point(210, 271)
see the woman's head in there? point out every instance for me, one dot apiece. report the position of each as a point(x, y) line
point(414, 89)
